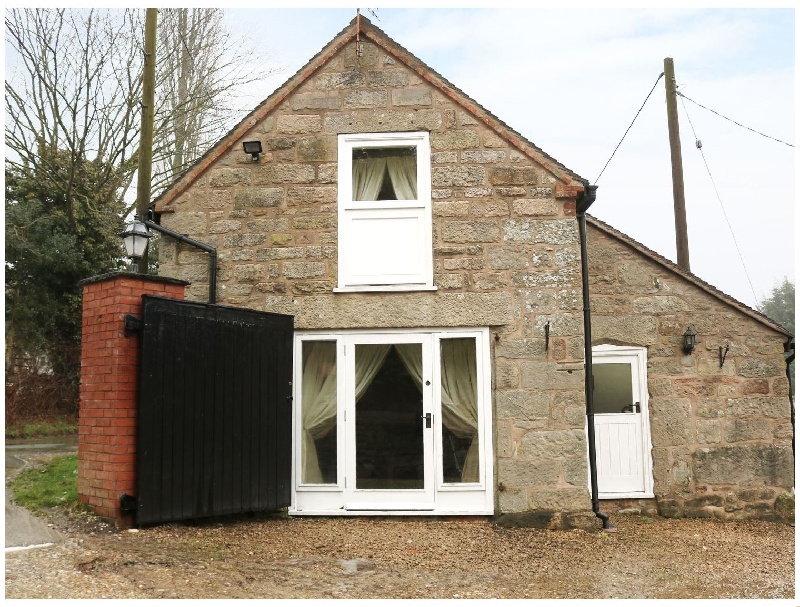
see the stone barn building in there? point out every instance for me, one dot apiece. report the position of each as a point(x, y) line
point(431, 258)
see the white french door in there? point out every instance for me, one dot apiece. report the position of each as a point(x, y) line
point(621, 422)
point(389, 424)
point(392, 422)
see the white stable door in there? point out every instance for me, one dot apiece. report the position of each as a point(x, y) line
point(389, 423)
point(622, 434)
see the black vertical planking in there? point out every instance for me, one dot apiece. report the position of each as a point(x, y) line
point(263, 422)
point(214, 423)
point(247, 419)
point(218, 488)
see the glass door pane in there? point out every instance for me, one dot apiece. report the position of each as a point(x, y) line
point(389, 421)
point(459, 394)
point(318, 406)
point(613, 387)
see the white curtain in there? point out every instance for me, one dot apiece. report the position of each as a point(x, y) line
point(369, 359)
point(460, 398)
point(318, 402)
point(403, 173)
point(368, 177)
point(319, 393)
point(459, 393)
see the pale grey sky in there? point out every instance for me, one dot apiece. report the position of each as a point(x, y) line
point(571, 80)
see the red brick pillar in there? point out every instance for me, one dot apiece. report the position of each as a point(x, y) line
point(109, 388)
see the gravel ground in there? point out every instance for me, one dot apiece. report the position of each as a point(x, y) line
point(410, 558)
point(279, 557)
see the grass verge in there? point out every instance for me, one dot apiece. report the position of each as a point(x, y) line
point(38, 428)
point(55, 484)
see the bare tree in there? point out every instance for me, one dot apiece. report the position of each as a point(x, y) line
point(200, 69)
point(74, 88)
point(77, 87)
point(73, 120)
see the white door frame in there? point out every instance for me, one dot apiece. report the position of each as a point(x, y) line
point(607, 353)
point(388, 499)
point(449, 498)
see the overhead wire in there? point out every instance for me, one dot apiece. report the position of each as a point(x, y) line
point(699, 146)
point(661, 75)
point(682, 96)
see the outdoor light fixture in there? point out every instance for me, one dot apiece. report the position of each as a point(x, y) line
point(689, 341)
point(135, 238)
point(253, 148)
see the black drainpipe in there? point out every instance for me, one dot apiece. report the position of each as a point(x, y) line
point(212, 270)
point(788, 347)
point(584, 202)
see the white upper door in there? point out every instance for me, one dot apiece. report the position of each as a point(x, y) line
point(389, 423)
point(622, 435)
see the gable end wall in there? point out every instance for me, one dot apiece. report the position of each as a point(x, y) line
point(505, 254)
point(722, 436)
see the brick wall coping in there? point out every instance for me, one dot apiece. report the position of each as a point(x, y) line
point(143, 277)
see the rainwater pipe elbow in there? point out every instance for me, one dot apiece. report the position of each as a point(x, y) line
point(212, 252)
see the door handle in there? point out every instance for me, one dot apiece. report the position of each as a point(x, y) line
point(428, 417)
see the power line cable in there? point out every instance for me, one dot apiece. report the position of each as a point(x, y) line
point(629, 127)
point(699, 146)
point(730, 119)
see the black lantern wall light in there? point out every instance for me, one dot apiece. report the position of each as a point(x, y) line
point(689, 341)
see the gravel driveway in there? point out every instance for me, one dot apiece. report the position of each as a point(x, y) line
point(406, 558)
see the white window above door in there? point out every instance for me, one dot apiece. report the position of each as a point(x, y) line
point(385, 234)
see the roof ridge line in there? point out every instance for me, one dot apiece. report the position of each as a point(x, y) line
point(380, 38)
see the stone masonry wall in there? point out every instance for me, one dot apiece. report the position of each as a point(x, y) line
point(721, 436)
point(506, 253)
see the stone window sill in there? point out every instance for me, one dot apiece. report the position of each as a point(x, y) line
point(385, 288)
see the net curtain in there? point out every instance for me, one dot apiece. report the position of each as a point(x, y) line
point(369, 173)
point(319, 392)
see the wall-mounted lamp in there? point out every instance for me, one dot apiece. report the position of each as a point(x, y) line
point(135, 238)
point(253, 148)
point(689, 341)
point(722, 354)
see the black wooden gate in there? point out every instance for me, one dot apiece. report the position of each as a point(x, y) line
point(215, 412)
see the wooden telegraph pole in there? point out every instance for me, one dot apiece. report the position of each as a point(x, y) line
point(146, 137)
point(681, 235)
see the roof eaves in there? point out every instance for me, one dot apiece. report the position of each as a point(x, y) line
point(431, 76)
point(698, 282)
point(177, 187)
point(378, 36)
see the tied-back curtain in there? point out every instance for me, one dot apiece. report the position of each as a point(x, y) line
point(411, 356)
point(369, 360)
point(403, 173)
point(460, 398)
point(459, 393)
point(368, 177)
point(319, 402)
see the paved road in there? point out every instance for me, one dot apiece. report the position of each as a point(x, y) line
point(23, 530)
